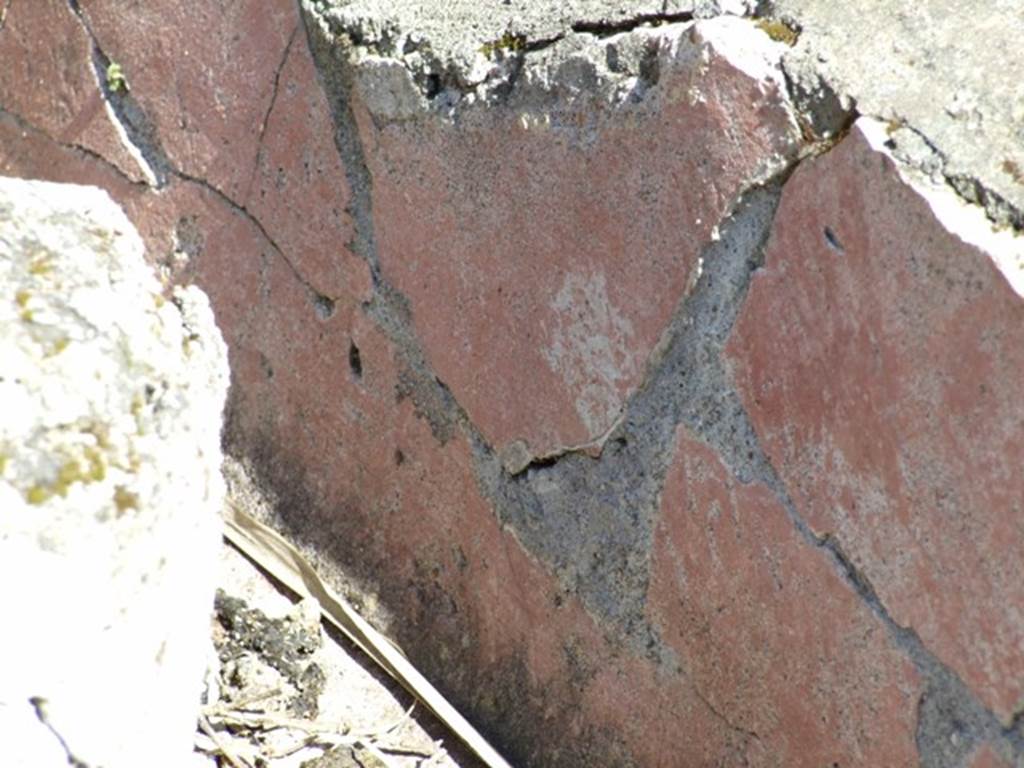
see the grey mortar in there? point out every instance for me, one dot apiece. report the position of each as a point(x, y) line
point(591, 519)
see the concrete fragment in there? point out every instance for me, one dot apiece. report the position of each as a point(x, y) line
point(949, 71)
point(452, 49)
point(110, 481)
point(879, 356)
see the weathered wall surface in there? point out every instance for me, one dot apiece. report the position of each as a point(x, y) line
point(658, 368)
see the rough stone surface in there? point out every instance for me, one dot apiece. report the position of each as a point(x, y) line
point(734, 587)
point(466, 46)
point(110, 481)
point(880, 355)
point(945, 72)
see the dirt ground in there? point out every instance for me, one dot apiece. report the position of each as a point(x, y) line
point(283, 691)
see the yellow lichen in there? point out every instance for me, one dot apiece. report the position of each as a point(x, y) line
point(97, 471)
point(125, 500)
point(41, 265)
point(116, 80)
point(58, 346)
point(38, 494)
point(22, 297)
point(507, 42)
point(779, 31)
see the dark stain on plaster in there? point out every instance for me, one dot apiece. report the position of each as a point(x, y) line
point(188, 236)
point(503, 695)
point(323, 307)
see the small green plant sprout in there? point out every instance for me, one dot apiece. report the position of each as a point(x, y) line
point(116, 81)
point(507, 42)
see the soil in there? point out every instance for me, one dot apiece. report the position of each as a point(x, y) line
point(283, 691)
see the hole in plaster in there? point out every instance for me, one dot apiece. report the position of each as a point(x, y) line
point(323, 306)
point(355, 363)
point(268, 369)
point(433, 85)
point(399, 457)
point(833, 242)
point(188, 237)
point(543, 462)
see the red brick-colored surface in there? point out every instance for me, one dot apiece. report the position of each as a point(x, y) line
point(263, 203)
point(987, 757)
point(882, 372)
point(47, 79)
point(203, 74)
point(542, 262)
point(485, 620)
point(767, 629)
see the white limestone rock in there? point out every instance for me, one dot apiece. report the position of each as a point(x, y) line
point(110, 486)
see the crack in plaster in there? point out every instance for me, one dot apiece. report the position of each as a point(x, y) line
point(141, 137)
point(607, 29)
point(747, 734)
point(270, 107)
point(316, 298)
point(28, 127)
point(137, 134)
point(222, 197)
point(39, 705)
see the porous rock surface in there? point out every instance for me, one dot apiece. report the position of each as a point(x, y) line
point(655, 363)
point(110, 486)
